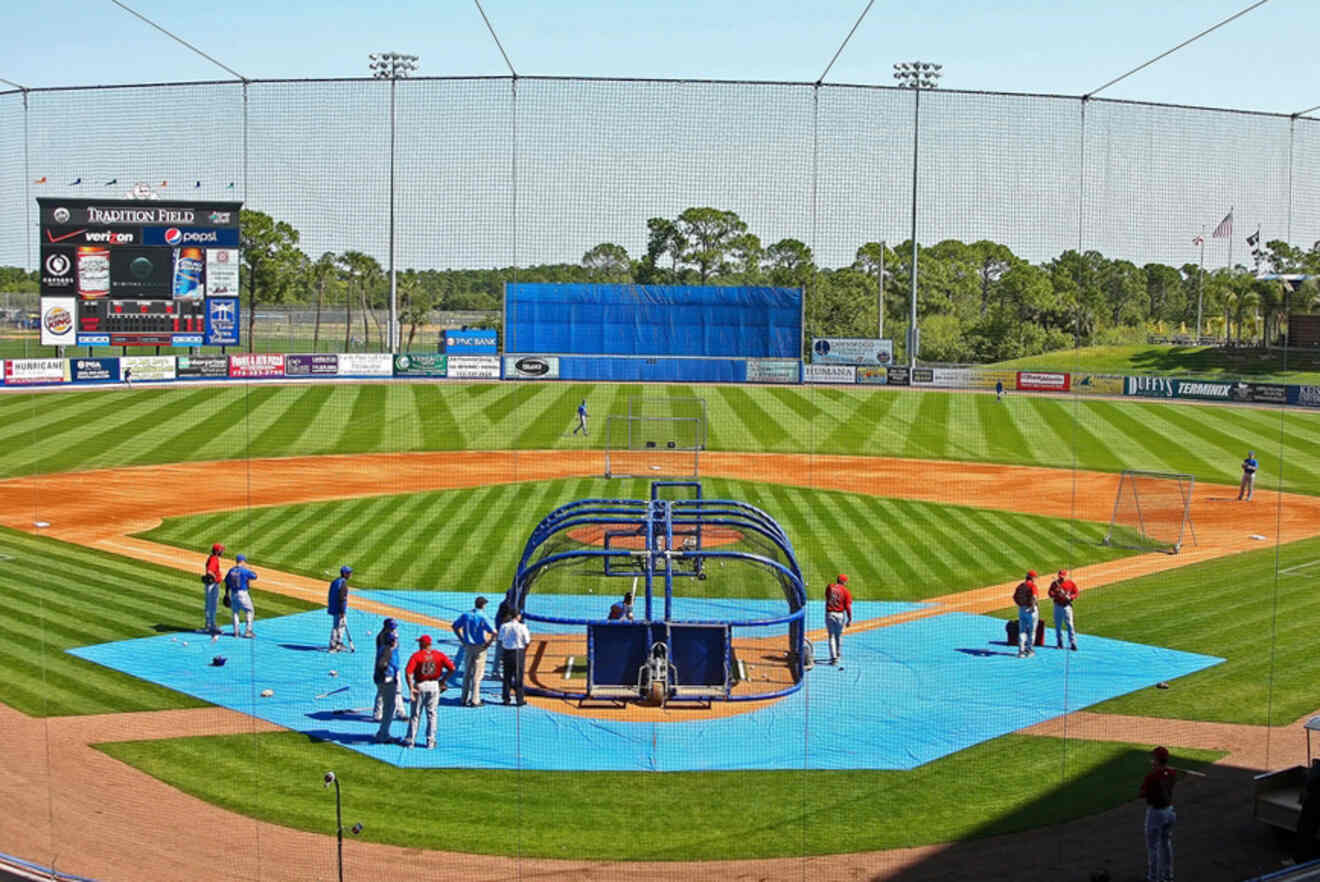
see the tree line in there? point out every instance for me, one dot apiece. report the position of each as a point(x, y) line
point(976, 302)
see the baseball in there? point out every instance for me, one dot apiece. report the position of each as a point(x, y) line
point(357, 828)
point(334, 673)
point(329, 778)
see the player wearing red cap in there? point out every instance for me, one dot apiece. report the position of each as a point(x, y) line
point(1025, 595)
point(1157, 790)
point(211, 579)
point(838, 615)
point(426, 674)
point(1063, 591)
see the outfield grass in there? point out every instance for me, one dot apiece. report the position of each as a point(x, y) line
point(55, 596)
point(142, 426)
point(1231, 608)
point(1207, 362)
point(1007, 785)
point(891, 549)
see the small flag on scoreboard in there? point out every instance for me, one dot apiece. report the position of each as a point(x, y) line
point(1225, 228)
point(40, 180)
point(1198, 240)
point(1254, 239)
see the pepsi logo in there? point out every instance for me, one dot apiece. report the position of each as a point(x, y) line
point(173, 236)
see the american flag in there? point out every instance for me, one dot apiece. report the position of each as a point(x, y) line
point(1225, 228)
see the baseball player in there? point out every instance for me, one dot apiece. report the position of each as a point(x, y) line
point(427, 674)
point(1025, 595)
point(1248, 485)
point(623, 609)
point(211, 579)
point(388, 640)
point(1157, 789)
point(582, 418)
point(838, 615)
point(236, 584)
point(386, 677)
point(336, 604)
point(1063, 591)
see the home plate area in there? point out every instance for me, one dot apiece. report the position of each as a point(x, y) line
point(905, 694)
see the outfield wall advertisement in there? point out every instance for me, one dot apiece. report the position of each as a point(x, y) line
point(1097, 384)
point(33, 371)
point(146, 368)
point(424, 365)
point(851, 350)
point(873, 376)
point(531, 367)
point(1040, 381)
point(773, 370)
point(255, 366)
point(830, 373)
point(474, 367)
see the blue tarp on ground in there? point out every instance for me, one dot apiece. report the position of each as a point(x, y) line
point(907, 694)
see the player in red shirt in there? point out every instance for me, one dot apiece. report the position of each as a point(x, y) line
point(1024, 595)
point(211, 579)
point(1157, 790)
point(1063, 591)
point(427, 674)
point(838, 615)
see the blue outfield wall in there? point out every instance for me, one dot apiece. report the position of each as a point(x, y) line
point(685, 320)
point(677, 370)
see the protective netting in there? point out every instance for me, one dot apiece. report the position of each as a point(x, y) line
point(1032, 212)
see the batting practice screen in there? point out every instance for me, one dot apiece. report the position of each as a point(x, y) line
point(713, 321)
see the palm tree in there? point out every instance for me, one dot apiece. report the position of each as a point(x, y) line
point(324, 273)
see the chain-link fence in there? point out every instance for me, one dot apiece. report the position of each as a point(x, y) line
point(497, 174)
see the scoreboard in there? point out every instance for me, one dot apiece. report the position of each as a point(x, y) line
point(127, 272)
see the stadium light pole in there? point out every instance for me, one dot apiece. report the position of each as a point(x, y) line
point(915, 75)
point(392, 66)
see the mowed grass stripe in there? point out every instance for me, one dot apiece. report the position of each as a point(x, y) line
point(301, 424)
point(1206, 423)
point(440, 428)
point(426, 570)
point(118, 438)
point(181, 442)
point(942, 552)
point(974, 528)
point(1201, 456)
point(454, 543)
point(928, 434)
point(860, 418)
point(46, 418)
point(903, 578)
point(1145, 447)
point(1077, 443)
point(759, 431)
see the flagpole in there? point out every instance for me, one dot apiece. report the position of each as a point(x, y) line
point(1200, 278)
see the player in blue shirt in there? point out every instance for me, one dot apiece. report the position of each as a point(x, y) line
point(1248, 485)
point(336, 604)
point(236, 587)
point(475, 632)
point(582, 418)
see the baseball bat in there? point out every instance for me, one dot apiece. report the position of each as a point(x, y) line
point(333, 692)
point(1189, 772)
point(349, 635)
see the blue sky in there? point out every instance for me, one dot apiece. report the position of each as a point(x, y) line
point(1034, 46)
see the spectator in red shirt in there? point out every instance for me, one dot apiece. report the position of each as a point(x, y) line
point(1025, 595)
point(427, 674)
point(211, 579)
point(1157, 790)
point(1063, 591)
point(838, 615)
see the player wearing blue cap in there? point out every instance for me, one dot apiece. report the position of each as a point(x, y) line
point(1248, 485)
point(336, 605)
point(582, 418)
point(236, 586)
point(387, 641)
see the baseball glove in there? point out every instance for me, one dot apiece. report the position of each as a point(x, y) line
point(208, 579)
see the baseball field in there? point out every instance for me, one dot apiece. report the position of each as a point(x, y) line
point(938, 499)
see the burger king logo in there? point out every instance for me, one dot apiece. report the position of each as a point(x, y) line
point(58, 320)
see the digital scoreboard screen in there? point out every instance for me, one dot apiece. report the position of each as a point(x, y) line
point(127, 272)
